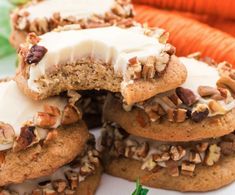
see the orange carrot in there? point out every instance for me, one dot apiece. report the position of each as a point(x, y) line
point(225, 25)
point(189, 35)
point(222, 8)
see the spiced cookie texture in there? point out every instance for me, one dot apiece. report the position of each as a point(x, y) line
point(44, 16)
point(202, 107)
point(89, 59)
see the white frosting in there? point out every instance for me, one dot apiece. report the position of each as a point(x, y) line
point(16, 108)
point(110, 44)
point(80, 9)
point(201, 74)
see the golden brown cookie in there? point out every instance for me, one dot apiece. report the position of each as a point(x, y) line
point(42, 17)
point(206, 178)
point(136, 122)
point(44, 158)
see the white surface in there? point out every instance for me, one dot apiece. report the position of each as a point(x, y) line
point(115, 186)
point(99, 44)
point(80, 9)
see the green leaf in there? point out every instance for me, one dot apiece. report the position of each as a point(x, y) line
point(139, 189)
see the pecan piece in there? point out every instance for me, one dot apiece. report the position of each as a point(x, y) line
point(172, 168)
point(87, 169)
point(207, 91)
point(199, 113)
point(226, 82)
point(187, 168)
point(28, 136)
point(59, 185)
point(202, 147)
point(177, 152)
point(165, 156)
point(35, 54)
point(7, 133)
point(149, 164)
point(73, 179)
point(186, 96)
point(195, 157)
point(213, 155)
point(45, 120)
point(142, 150)
point(70, 115)
point(216, 108)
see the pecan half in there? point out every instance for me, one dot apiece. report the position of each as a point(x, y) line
point(35, 54)
point(226, 82)
point(186, 96)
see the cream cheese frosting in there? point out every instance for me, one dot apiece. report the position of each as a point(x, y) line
point(201, 74)
point(109, 44)
point(80, 9)
point(16, 108)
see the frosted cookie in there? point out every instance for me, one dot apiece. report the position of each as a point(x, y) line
point(132, 61)
point(195, 166)
point(43, 16)
point(37, 137)
point(202, 107)
point(81, 176)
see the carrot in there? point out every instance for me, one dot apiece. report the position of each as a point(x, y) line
point(225, 25)
point(188, 35)
point(222, 8)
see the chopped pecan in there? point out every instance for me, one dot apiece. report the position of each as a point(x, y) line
point(148, 71)
point(149, 164)
point(72, 178)
point(216, 108)
point(45, 120)
point(93, 157)
point(199, 113)
point(177, 152)
point(213, 155)
point(48, 191)
point(172, 168)
point(59, 185)
point(142, 150)
point(195, 157)
point(186, 96)
point(28, 136)
point(32, 38)
point(165, 156)
point(135, 68)
point(52, 110)
point(7, 133)
point(70, 115)
point(142, 119)
point(187, 166)
point(35, 54)
point(207, 91)
point(226, 82)
point(176, 115)
point(129, 151)
point(87, 169)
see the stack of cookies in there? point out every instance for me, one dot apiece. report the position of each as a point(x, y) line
point(182, 139)
point(168, 120)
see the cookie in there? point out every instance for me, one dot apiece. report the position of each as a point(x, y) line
point(206, 179)
point(189, 166)
point(81, 176)
point(137, 122)
point(202, 107)
point(44, 16)
point(42, 160)
point(138, 70)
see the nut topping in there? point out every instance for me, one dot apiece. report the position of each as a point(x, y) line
point(207, 91)
point(213, 155)
point(202, 147)
point(199, 113)
point(161, 157)
point(28, 136)
point(35, 54)
point(186, 96)
point(45, 120)
point(177, 152)
point(87, 169)
point(70, 115)
point(149, 164)
point(142, 150)
point(195, 157)
point(216, 108)
point(59, 185)
point(7, 133)
point(72, 178)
